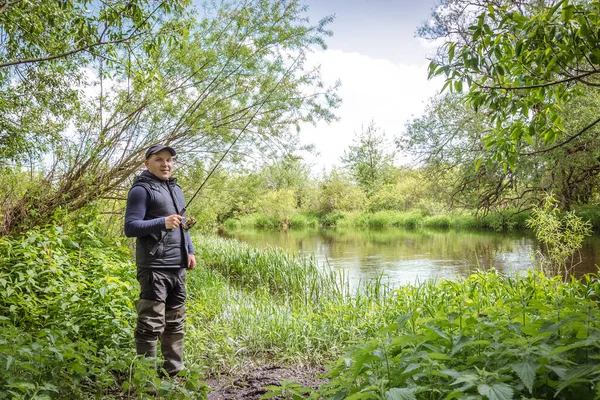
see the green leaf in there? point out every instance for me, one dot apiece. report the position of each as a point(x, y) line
point(402, 320)
point(451, 49)
point(446, 84)
point(578, 374)
point(274, 393)
point(401, 394)
point(562, 349)
point(458, 86)
point(526, 372)
point(567, 12)
point(518, 48)
point(361, 395)
point(500, 391)
point(478, 164)
point(9, 361)
point(438, 356)
point(553, 9)
point(491, 11)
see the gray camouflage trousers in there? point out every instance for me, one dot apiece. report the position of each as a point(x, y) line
point(161, 315)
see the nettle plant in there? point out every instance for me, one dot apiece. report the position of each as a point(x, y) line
point(67, 316)
point(485, 337)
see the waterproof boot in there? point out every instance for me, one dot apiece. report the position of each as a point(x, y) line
point(171, 341)
point(150, 325)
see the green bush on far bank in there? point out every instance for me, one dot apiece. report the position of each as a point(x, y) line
point(500, 221)
point(263, 221)
point(589, 213)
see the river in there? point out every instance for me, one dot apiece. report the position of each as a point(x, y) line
point(407, 256)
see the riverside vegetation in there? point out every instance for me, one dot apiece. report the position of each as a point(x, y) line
point(67, 293)
point(525, 125)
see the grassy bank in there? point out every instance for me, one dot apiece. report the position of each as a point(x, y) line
point(499, 221)
point(263, 221)
point(67, 303)
point(252, 306)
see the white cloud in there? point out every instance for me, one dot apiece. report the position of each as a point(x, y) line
point(372, 90)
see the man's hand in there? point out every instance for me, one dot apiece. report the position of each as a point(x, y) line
point(173, 221)
point(191, 262)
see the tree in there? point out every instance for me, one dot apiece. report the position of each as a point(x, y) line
point(368, 159)
point(291, 173)
point(450, 140)
point(337, 193)
point(45, 47)
point(236, 78)
point(522, 63)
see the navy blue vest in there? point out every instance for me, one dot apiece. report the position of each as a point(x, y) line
point(166, 198)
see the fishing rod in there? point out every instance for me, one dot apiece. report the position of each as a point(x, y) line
point(191, 221)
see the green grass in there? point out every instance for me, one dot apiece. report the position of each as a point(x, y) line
point(252, 305)
point(501, 221)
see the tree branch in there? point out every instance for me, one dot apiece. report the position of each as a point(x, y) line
point(540, 85)
point(61, 55)
point(590, 126)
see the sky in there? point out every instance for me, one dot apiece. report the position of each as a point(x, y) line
point(382, 67)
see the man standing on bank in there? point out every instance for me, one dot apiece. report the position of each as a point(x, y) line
point(153, 207)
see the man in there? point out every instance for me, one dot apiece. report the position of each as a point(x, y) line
point(164, 252)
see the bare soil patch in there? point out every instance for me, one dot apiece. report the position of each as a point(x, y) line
point(251, 385)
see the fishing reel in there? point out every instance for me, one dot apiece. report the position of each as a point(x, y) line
point(189, 223)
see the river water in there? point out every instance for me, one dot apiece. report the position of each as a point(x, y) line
point(407, 256)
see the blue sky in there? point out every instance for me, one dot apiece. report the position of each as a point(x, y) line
point(376, 28)
point(382, 67)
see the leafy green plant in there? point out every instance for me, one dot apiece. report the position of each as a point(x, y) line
point(67, 314)
point(287, 390)
point(484, 337)
point(561, 234)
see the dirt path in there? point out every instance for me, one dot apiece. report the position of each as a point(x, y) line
point(251, 385)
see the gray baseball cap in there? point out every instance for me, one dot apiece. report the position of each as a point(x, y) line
point(158, 148)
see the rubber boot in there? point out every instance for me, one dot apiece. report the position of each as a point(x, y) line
point(150, 325)
point(171, 341)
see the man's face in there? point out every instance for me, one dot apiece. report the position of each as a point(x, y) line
point(160, 164)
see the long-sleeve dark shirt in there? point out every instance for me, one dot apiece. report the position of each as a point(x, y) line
point(135, 224)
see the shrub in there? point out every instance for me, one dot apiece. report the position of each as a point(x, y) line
point(483, 337)
point(505, 220)
point(259, 221)
point(332, 219)
point(437, 221)
point(590, 213)
point(561, 234)
point(299, 221)
point(232, 224)
point(67, 314)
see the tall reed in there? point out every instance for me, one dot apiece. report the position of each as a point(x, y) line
point(252, 305)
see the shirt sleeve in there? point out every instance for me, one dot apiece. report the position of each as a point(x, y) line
point(190, 246)
point(135, 212)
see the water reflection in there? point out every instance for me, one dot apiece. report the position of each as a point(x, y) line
point(407, 256)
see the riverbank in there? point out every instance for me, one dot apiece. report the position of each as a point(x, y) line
point(507, 220)
point(67, 297)
point(499, 221)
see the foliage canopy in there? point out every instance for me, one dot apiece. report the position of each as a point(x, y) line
point(520, 63)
